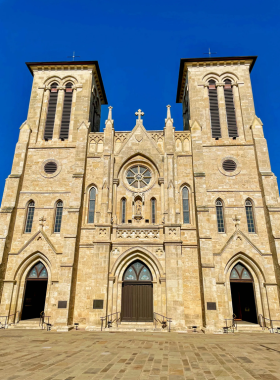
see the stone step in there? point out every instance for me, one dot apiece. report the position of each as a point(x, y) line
point(250, 328)
point(32, 324)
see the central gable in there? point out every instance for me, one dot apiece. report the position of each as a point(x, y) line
point(139, 142)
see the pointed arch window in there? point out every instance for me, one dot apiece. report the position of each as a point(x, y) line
point(153, 210)
point(230, 109)
point(91, 206)
point(66, 114)
point(58, 217)
point(48, 134)
point(186, 206)
point(214, 110)
point(240, 274)
point(29, 216)
point(220, 215)
point(38, 272)
point(123, 210)
point(137, 272)
point(250, 216)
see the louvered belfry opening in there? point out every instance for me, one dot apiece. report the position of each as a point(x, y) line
point(66, 114)
point(230, 109)
point(214, 110)
point(51, 113)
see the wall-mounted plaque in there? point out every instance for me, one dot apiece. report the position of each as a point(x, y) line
point(211, 306)
point(62, 305)
point(98, 304)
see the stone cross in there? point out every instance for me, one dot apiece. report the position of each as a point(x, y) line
point(236, 221)
point(41, 222)
point(139, 113)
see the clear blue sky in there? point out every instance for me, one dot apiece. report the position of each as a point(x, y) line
point(138, 45)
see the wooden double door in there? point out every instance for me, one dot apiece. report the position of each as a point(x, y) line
point(137, 302)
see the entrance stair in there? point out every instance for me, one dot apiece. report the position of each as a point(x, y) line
point(27, 324)
point(248, 327)
point(136, 326)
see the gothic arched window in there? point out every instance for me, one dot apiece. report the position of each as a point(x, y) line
point(250, 216)
point(230, 109)
point(39, 271)
point(186, 206)
point(58, 216)
point(51, 113)
point(153, 210)
point(240, 273)
point(66, 114)
point(214, 110)
point(91, 205)
point(29, 216)
point(137, 272)
point(220, 216)
point(123, 210)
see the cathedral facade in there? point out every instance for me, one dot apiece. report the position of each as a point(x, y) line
point(141, 224)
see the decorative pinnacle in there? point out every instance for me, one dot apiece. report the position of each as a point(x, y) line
point(168, 112)
point(139, 113)
point(110, 113)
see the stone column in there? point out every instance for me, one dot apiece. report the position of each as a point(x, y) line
point(115, 185)
point(222, 109)
point(71, 126)
point(161, 183)
point(58, 114)
point(44, 112)
point(238, 112)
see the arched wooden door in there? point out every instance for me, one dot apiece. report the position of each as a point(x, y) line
point(137, 294)
point(242, 294)
point(35, 292)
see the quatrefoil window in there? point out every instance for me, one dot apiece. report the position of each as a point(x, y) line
point(138, 176)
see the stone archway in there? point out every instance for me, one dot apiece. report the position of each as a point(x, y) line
point(137, 293)
point(243, 294)
point(35, 292)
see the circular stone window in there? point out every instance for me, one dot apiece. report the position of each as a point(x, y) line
point(50, 167)
point(229, 166)
point(138, 176)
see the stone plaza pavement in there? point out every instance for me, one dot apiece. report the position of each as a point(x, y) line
point(81, 355)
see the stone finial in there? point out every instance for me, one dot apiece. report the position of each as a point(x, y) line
point(168, 112)
point(236, 220)
point(169, 120)
point(41, 222)
point(110, 113)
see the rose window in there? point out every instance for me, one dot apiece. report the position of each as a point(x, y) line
point(138, 176)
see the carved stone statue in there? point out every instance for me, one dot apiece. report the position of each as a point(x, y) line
point(138, 207)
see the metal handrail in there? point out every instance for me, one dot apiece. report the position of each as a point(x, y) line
point(3, 326)
point(163, 322)
point(15, 314)
point(263, 323)
point(108, 323)
point(42, 321)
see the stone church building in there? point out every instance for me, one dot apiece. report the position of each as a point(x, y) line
point(142, 223)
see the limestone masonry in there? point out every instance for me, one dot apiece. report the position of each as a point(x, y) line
point(184, 224)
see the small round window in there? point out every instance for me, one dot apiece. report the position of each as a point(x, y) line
point(138, 176)
point(50, 167)
point(229, 165)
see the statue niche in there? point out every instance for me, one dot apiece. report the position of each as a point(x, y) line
point(138, 206)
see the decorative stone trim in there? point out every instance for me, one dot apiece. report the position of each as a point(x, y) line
point(266, 174)
point(199, 174)
point(42, 170)
point(138, 233)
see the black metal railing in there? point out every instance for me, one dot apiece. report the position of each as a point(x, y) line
point(5, 320)
point(230, 324)
point(164, 321)
point(43, 322)
point(270, 324)
point(110, 319)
